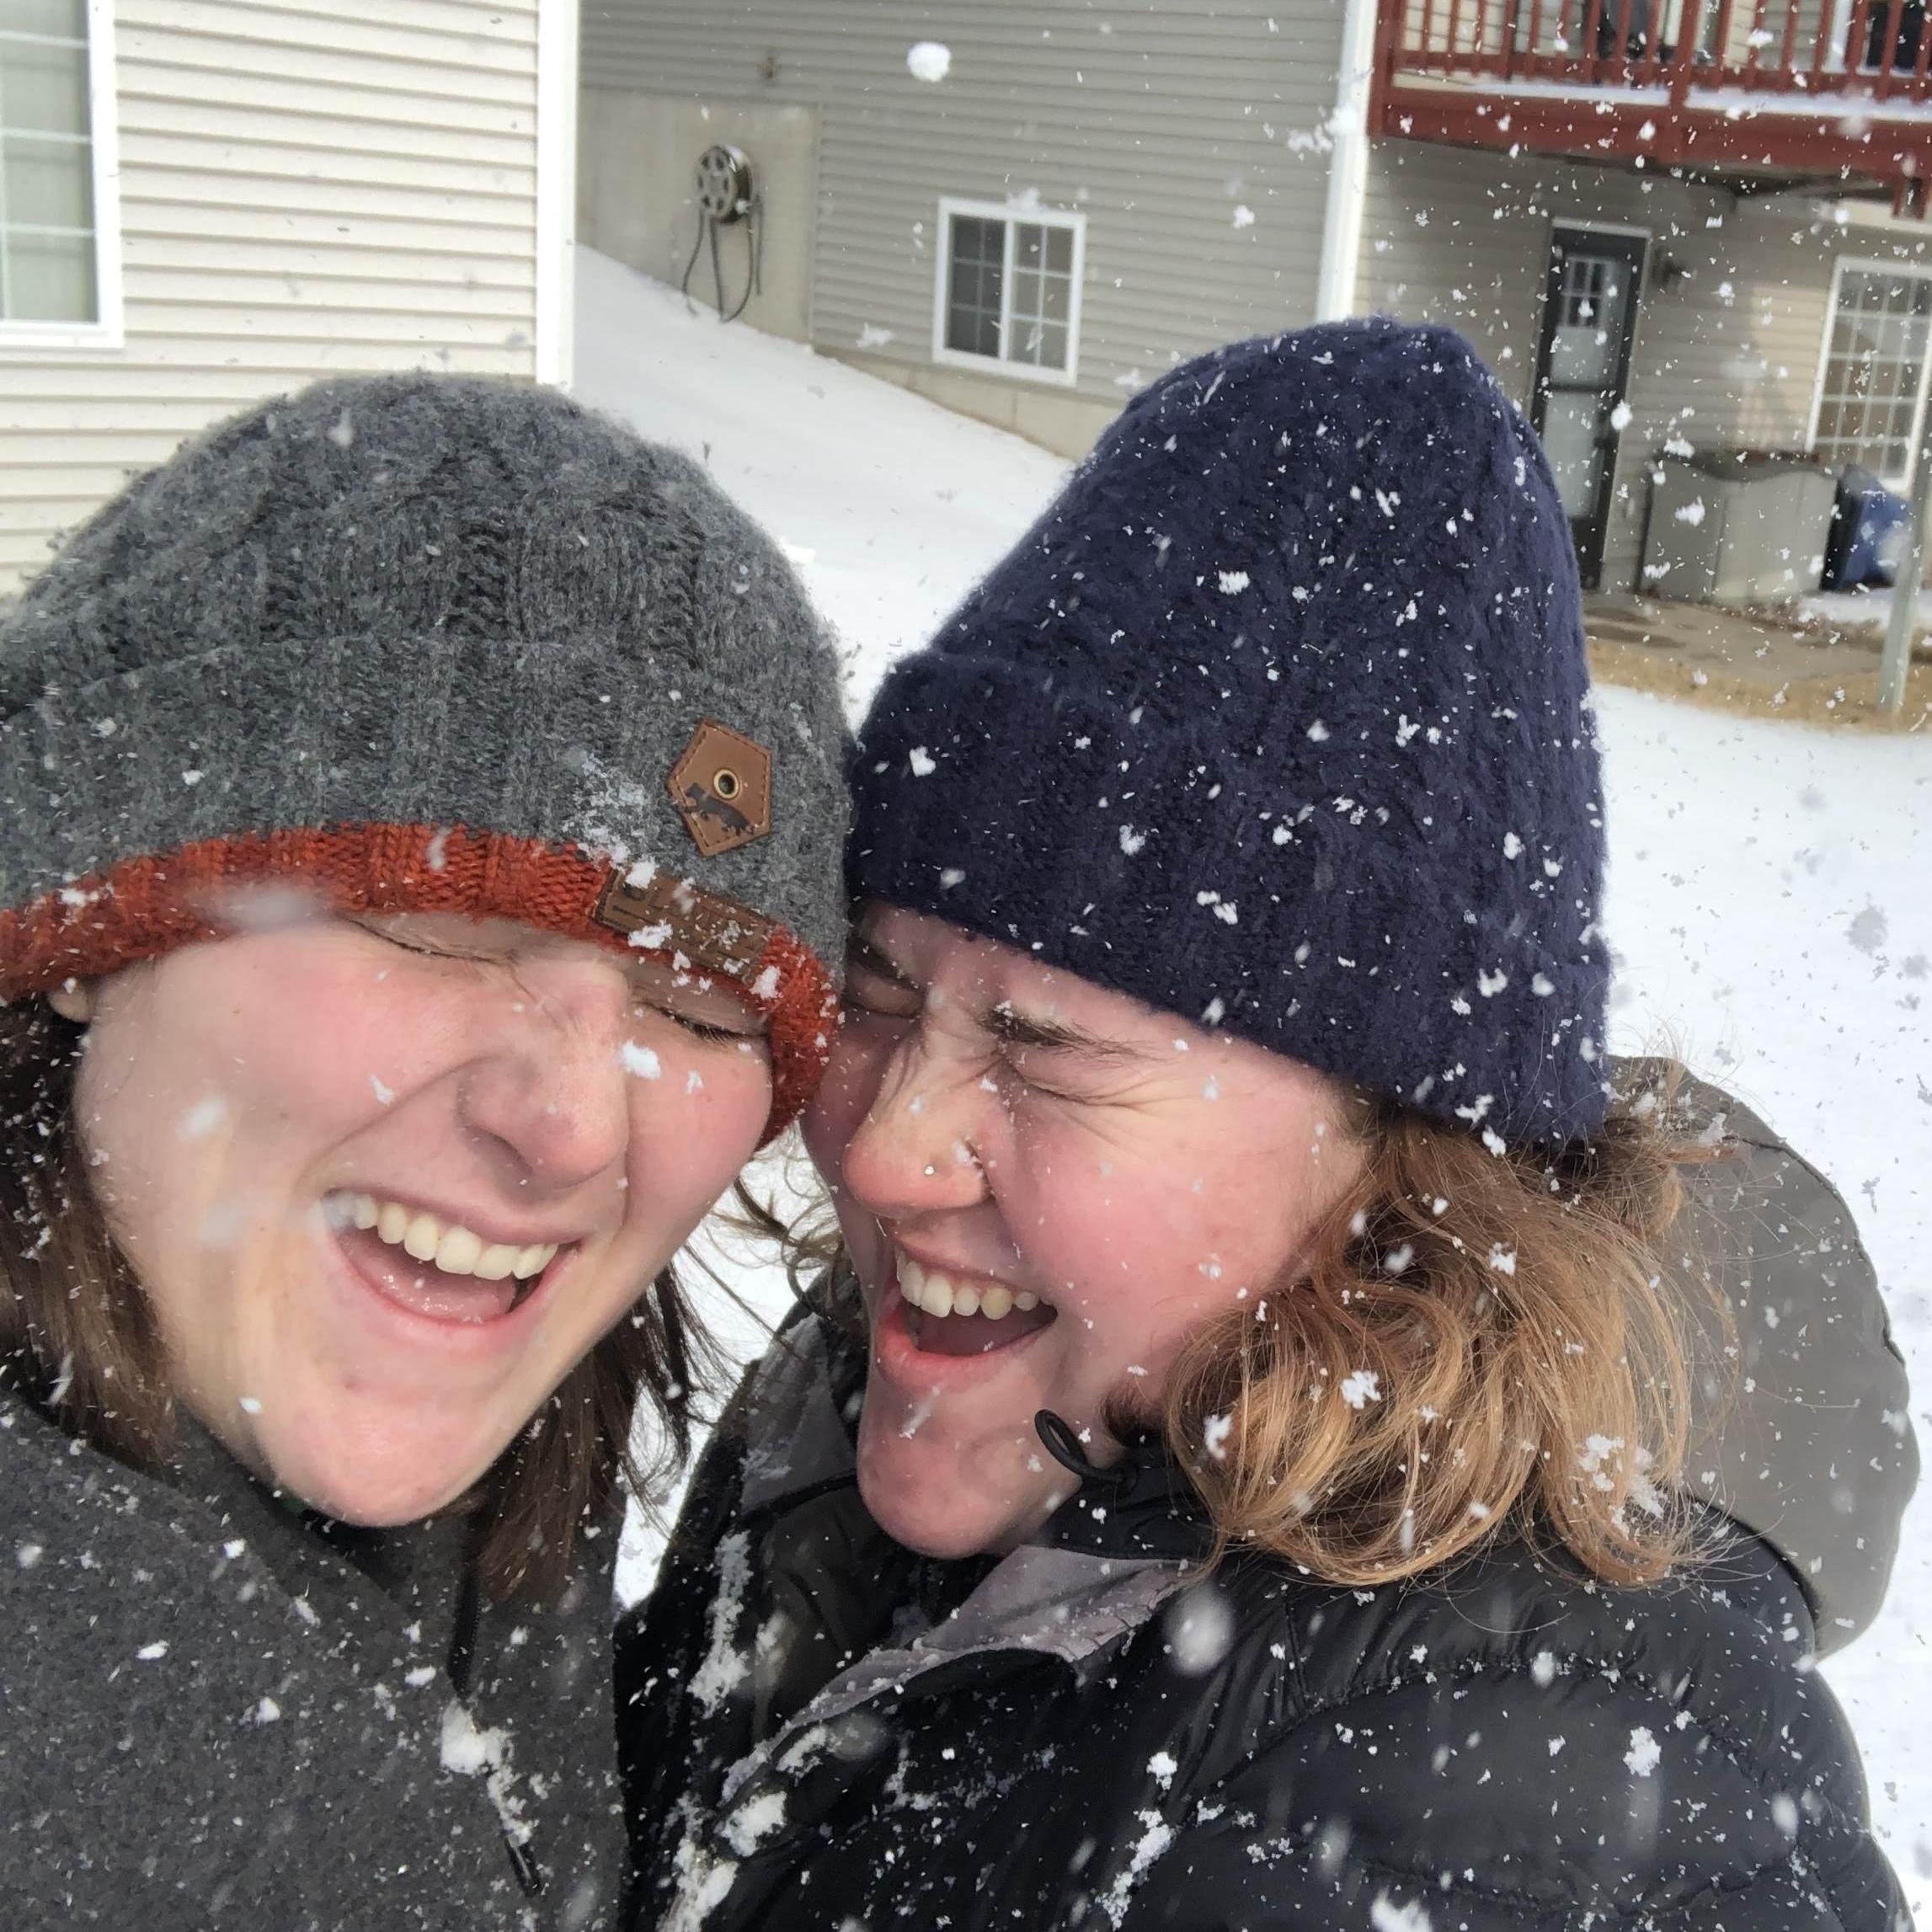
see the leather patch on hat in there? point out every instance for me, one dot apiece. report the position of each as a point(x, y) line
point(658, 912)
point(721, 788)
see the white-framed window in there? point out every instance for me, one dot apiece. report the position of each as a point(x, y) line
point(1868, 405)
point(59, 228)
point(1007, 296)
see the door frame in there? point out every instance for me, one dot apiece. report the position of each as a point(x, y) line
point(1633, 245)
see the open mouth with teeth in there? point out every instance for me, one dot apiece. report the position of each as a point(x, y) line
point(435, 1267)
point(947, 1315)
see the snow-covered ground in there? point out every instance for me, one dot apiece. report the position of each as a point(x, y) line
point(1861, 610)
point(1771, 886)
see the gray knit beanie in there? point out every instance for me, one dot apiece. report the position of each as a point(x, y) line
point(429, 643)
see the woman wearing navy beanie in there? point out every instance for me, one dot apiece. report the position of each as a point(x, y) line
point(1235, 1471)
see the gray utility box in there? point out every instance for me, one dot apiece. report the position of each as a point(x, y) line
point(1738, 526)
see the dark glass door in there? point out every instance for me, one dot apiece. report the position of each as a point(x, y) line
point(1582, 367)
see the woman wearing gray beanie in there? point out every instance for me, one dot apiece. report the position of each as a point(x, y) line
point(1236, 1471)
point(420, 896)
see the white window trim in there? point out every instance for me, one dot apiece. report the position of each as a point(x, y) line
point(1011, 213)
point(108, 333)
point(1900, 484)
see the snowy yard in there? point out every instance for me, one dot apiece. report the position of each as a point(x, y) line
point(1771, 886)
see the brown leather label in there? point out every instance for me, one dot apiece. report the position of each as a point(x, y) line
point(721, 788)
point(658, 912)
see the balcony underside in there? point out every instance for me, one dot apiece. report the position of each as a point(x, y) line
point(1754, 141)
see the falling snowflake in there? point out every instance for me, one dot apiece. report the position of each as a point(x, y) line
point(929, 60)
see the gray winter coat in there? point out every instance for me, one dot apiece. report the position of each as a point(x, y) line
point(215, 1710)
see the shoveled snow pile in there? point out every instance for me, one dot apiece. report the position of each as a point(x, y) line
point(1766, 887)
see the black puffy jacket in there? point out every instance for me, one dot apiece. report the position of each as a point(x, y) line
point(820, 1729)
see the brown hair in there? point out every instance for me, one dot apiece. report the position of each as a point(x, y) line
point(78, 1340)
point(1476, 1342)
point(1479, 1336)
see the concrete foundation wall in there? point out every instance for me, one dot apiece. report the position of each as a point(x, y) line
point(1068, 424)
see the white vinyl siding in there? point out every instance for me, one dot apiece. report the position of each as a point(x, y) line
point(1159, 122)
point(306, 187)
point(1730, 320)
point(1007, 297)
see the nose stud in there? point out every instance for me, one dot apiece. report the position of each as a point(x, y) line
point(930, 1169)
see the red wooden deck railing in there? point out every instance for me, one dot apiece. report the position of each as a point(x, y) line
point(1781, 87)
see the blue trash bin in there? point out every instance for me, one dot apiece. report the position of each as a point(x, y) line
point(1869, 528)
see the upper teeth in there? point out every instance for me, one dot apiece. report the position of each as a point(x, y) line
point(936, 1294)
point(450, 1247)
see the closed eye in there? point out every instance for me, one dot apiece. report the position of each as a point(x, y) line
point(698, 1029)
point(391, 935)
point(876, 987)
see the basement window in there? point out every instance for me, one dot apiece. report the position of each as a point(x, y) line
point(1871, 387)
point(1008, 292)
point(60, 279)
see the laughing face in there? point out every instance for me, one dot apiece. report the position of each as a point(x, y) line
point(385, 1185)
point(1044, 1187)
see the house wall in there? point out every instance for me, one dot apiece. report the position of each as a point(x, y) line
point(637, 197)
point(1159, 119)
point(1726, 351)
point(306, 187)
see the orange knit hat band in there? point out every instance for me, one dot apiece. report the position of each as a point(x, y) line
point(143, 907)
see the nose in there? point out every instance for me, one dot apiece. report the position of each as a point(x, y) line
point(545, 1095)
point(920, 1146)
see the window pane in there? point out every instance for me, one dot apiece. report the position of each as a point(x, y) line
point(43, 88)
point(975, 278)
point(1025, 294)
point(1039, 300)
point(48, 184)
point(1570, 442)
point(57, 17)
point(50, 278)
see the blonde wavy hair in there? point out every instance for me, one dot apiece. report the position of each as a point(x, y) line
point(1477, 1340)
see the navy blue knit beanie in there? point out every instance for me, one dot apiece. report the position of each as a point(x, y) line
point(1276, 719)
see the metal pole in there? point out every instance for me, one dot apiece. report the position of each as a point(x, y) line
point(1905, 584)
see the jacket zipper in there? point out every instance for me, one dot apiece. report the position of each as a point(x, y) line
point(461, 1666)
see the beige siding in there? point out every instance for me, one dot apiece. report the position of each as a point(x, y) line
point(1157, 118)
point(308, 187)
point(1726, 354)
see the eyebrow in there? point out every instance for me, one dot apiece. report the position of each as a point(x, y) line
point(1053, 1036)
point(1011, 1028)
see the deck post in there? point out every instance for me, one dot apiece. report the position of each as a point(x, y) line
point(1897, 658)
point(1684, 55)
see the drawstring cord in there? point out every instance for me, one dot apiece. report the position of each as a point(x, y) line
point(1063, 1444)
